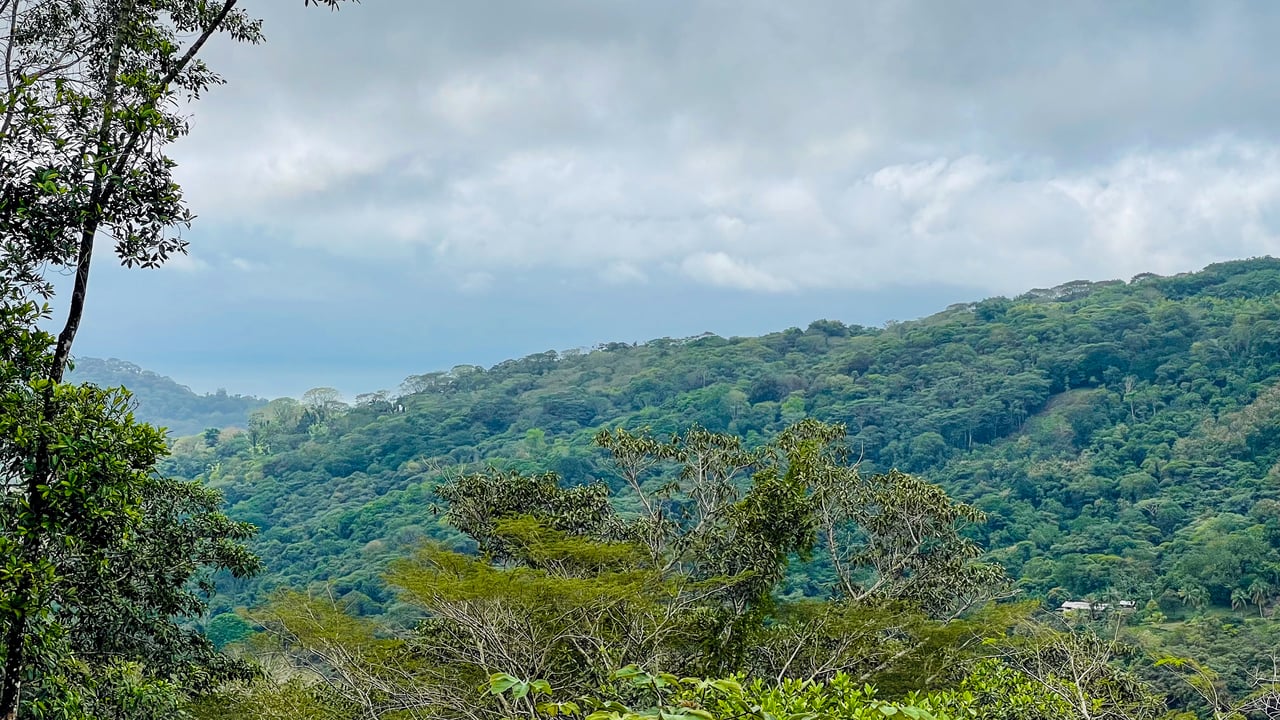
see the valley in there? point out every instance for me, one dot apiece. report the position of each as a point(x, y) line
point(1121, 439)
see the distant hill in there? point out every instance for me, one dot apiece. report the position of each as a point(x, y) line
point(165, 403)
point(1123, 437)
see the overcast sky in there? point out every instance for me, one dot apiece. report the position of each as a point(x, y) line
point(407, 185)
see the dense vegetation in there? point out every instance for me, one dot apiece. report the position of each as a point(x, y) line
point(606, 615)
point(163, 403)
point(697, 529)
point(104, 563)
point(572, 608)
point(1120, 437)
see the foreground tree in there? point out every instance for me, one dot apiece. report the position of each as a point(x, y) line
point(124, 555)
point(591, 603)
point(990, 692)
point(1083, 670)
point(91, 99)
point(678, 574)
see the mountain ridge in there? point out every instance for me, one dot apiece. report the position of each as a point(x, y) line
point(162, 401)
point(1080, 420)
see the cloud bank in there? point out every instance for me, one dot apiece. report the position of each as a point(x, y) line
point(750, 149)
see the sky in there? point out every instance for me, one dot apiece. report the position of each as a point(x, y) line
point(408, 185)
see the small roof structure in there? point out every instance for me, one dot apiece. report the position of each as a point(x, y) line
point(1075, 605)
point(1072, 605)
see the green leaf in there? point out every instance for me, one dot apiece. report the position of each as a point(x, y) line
point(540, 687)
point(501, 682)
point(727, 686)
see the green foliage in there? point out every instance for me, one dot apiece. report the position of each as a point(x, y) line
point(106, 563)
point(1119, 439)
point(1098, 428)
point(1080, 670)
point(227, 628)
point(727, 520)
point(478, 502)
point(992, 692)
point(567, 589)
point(163, 403)
point(101, 558)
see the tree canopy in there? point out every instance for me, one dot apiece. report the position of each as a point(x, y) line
point(103, 559)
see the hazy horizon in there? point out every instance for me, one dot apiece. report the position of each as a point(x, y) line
point(369, 375)
point(402, 186)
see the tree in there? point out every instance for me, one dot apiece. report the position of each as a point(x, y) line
point(322, 403)
point(571, 611)
point(718, 524)
point(1082, 670)
point(895, 536)
point(1210, 687)
point(720, 549)
point(1194, 595)
point(1259, 591)
point(227, 628)
point(566, 589)
point(123, 553)
point(90, 102)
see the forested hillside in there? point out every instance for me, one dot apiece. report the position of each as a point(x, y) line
point(1122, 437)
point(164, 403)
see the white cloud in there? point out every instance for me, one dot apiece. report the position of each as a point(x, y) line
point(475, 282)
point(1002, 224)
point(856, 146)
point(186, 263)
point(623, 273)
point(723, 271)
point(284, 161)
point(658, 149)
point(467, 102)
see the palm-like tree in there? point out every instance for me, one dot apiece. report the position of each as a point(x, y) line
point(1194, 595)
point(1259, 592)
point(1239, 598)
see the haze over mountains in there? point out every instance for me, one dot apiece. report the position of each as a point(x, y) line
point(1123, 439)
point(163, 402)
point(1096, 423)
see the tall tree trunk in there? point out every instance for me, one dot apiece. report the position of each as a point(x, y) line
point(32, 549)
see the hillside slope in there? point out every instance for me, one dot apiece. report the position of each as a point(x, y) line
point(165, 403)
point(1121, 436)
